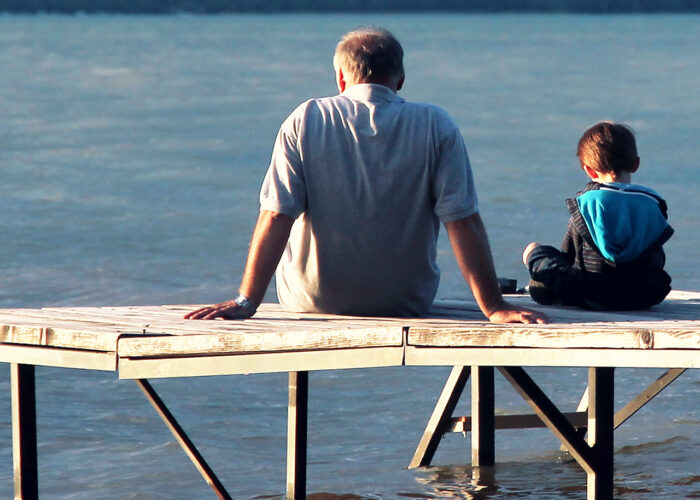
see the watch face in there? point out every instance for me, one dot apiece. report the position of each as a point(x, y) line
point(242, 301)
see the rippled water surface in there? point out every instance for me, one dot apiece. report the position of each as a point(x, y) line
point(131, 153)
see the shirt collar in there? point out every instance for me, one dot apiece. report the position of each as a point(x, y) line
point(371, 92)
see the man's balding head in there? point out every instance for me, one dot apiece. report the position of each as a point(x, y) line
point(370, 55)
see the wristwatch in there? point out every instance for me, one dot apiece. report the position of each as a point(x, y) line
point(244, 303)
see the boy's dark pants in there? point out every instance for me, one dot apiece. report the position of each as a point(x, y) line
point(556, 280)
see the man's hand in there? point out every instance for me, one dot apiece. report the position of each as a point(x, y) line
point(471, 248)
point(225, 310)
point(508, 313)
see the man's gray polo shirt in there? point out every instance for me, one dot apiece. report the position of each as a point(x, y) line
point(368, 177)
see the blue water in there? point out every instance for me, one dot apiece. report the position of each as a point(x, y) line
point(131, 153)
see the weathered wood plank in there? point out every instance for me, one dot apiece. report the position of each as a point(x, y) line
point(274, 362)
point(65, 335)
point(679, 305)
point(58, 357)
point(529, 356)
point(676, 336)
point(162, 331)
point(245, 342)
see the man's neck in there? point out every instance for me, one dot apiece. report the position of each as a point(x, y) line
point(383, 84)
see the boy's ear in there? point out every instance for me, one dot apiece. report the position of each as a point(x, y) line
point(636, 165)
point(589, 171)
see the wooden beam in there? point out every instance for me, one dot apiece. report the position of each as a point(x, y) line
point(483, 403)
point(440, 419)
point(581, 408)
point(24, 450)
point(297, 421)
point(601, 432)
point(550, 415)
point(184, 441)
point(518, 421)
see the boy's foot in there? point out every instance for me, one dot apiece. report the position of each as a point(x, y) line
point(540, 293)
point(528, 250)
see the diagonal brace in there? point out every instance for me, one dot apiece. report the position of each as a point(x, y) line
point(636, 404)
point(550, 415)
point(647, 395)
point(184, 441)
point(440, 420)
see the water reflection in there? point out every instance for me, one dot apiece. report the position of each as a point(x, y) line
point(544, 481)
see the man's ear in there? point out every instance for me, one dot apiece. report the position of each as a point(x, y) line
point(589, 171)
point(400, 84)
point(340, 80)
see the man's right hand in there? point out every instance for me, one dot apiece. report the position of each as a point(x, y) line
point(508, 313)
point(226, 310)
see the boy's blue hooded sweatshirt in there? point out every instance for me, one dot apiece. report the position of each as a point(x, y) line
point(623, 220)
point(614, 241)
point(612, 256)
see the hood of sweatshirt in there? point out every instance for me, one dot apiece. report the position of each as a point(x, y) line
point(624, 220)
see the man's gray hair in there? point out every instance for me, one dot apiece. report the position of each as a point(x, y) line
point(369, 55)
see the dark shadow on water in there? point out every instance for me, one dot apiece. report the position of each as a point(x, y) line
point(661, 445)
point(687, 481)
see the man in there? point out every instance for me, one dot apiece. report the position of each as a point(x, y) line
point(352, 202)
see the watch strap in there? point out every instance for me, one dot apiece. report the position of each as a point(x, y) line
point(244, 302)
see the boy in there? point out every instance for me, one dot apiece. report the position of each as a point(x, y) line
point(612, 255)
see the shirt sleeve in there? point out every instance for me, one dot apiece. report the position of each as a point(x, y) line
point(568, 246)
point(283, 189)
point(453, 182)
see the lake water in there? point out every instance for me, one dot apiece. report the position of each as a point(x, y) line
point(131, 154)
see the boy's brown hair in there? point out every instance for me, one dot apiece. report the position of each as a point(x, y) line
point(608, 147)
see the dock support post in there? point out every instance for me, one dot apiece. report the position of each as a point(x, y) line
point(297, 418)
point(24, 452)
point(440, 419)
point(601, 432)
point(483, 429)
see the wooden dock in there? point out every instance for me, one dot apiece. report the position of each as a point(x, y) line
point(154, 341)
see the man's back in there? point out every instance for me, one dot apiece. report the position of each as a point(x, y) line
point(352, 202)
point(371, 176)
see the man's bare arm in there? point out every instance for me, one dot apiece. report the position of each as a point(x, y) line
point(266, 248)
point(471, 248)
